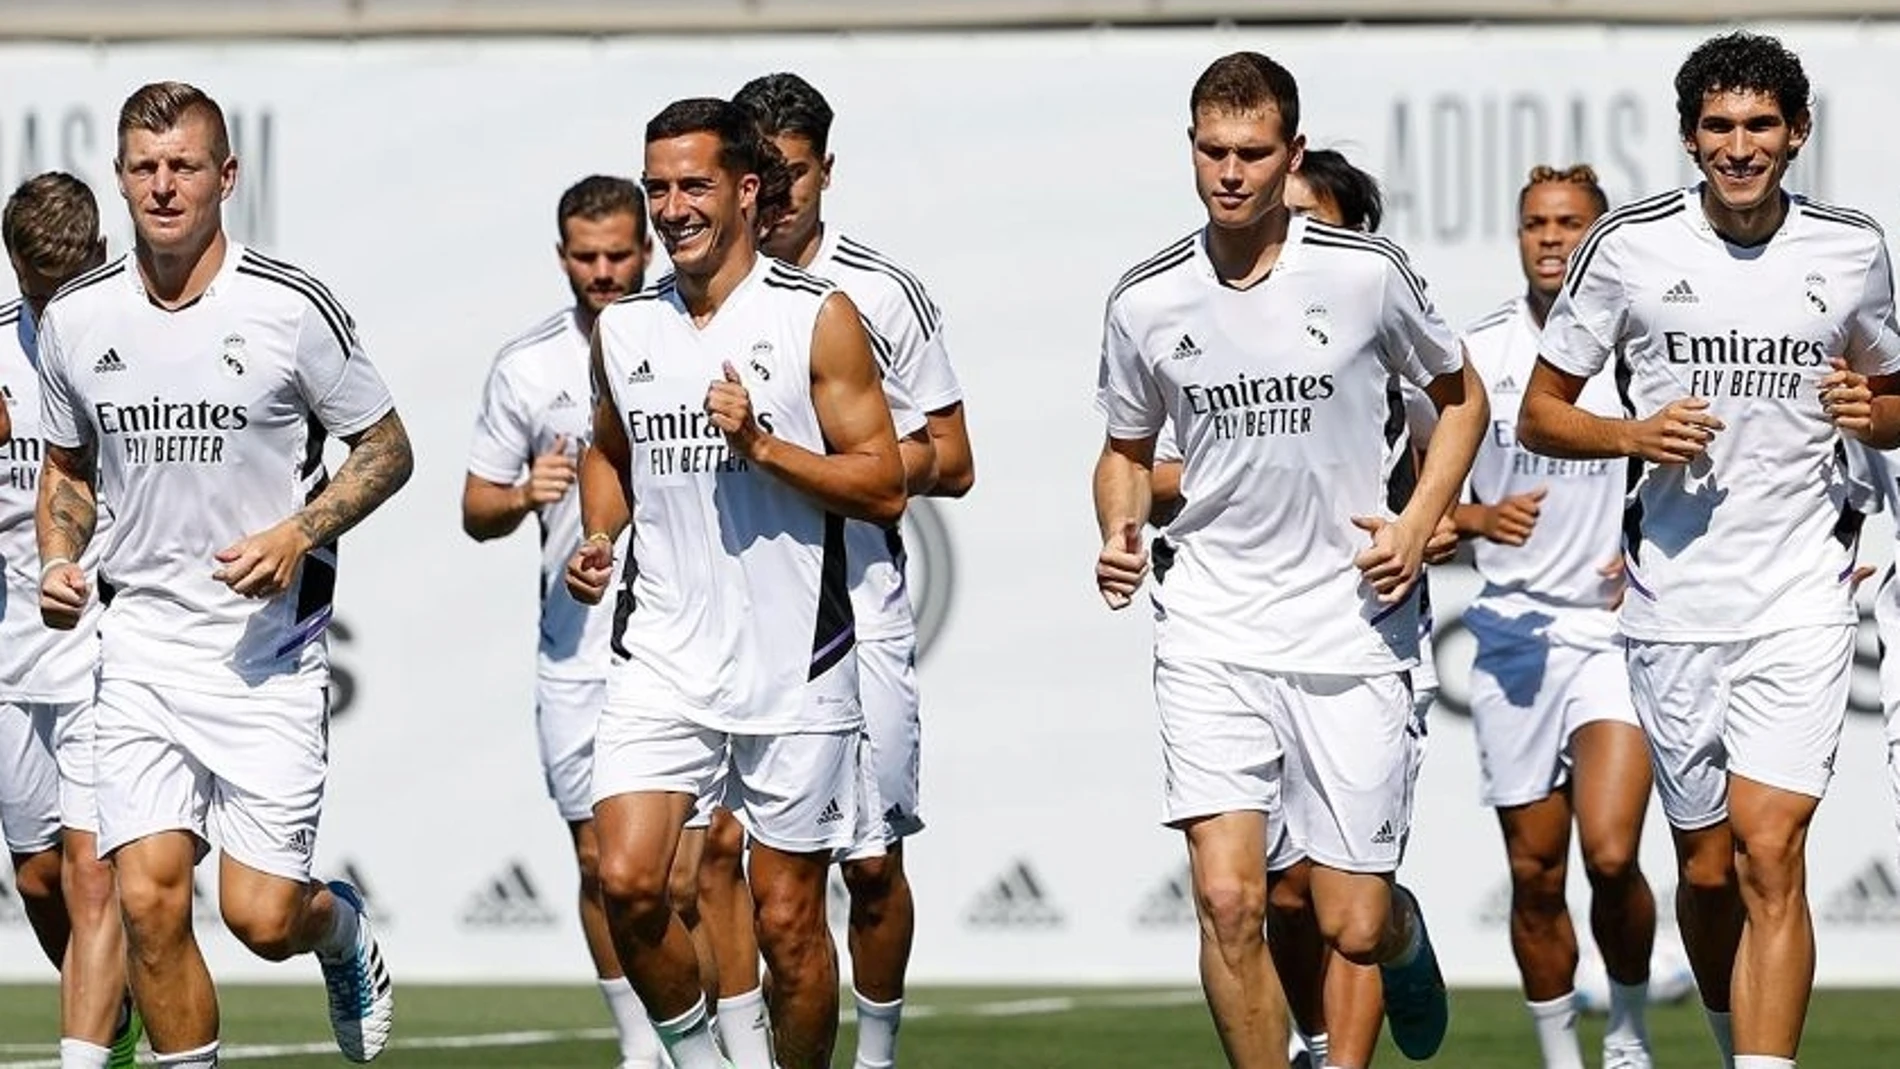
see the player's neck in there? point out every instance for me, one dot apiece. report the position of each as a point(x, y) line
point(1539, 304)
point(175, 279)
point(585, 317)
point(1747, 226)
point(1243, 256)
point(806, 250)
point(705, 294)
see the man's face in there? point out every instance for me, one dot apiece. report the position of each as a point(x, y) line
point(173, 185)
point(1743, 144)
point(1241, 162)
point(605, 258)
point(1550, 225)
point(1303, 199)
point(698, 208)
point(811, 176)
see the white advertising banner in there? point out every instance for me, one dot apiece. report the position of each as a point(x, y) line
point(1019, 175)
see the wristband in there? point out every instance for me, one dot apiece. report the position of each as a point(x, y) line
point(599, 536)
point(47, 568)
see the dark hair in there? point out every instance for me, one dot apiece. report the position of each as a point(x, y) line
point(1750, 62)
point(1355, 192)
point(160, 106)
point(599, 196)
point(743, 147)
point(784, 103)
point(52, 224)
point(1244, 82)
point(1577, 174)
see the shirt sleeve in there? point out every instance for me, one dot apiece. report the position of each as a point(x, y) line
point(913, 325)
point(1125, 388)
point(1417, 344)
point(1873, 337)
point(906, 416)
point(61, 422)
point(1585, 324)
point(336, 379)
point(503, 445)
point(1168, 446)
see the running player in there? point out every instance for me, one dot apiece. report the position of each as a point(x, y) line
point(736, 652)
point(534, 422)
point(194, 381)
point(50, 227)
point(1557, 736)
point(1753, 330)
point(1253, 650)
point(900, 312)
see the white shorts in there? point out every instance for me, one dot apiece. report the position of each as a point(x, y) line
point(795, 792)
point(1333, 753)
point(566, 713)
point(1283, 853)
point(29, 778)
point(1529, 696)
point(245, 773)
point(887, 688)
point(1769, 709)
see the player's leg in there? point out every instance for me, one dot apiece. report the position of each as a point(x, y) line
point(96, 1021)
point(726, 919)
point(1610, 790)
point(29, 816)
point(1787, 710)
point(1887, 621)
point(682, 889)
point(1293, 941)
point(1355, 1012)
point(798, 795)
point(1543, 941)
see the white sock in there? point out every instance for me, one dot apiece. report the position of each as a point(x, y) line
point(1722, 1027)
point(746, 1031)
point(639, 1043)
point(205, 1057)
point(1556, 1024)
point(1317, 1045)
point(79, 1054)
point(1626, 1027)
point(1762, 1061)
point(877, 1032)
point(341, 939)
point(689, 1039)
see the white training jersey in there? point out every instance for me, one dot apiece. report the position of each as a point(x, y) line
point(1758, 535)
point(739, 600)
point(1279, 394)
point(209, 422)
point(907, 331)
point(539, 390)
point(37, 663)
point(1555, 580)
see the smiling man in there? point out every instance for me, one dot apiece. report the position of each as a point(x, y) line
point(1752, 330)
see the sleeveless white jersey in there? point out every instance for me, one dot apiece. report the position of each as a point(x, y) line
point(209, 423)
point(1558, 568)
point(1278, 394)
point(907, 332)
point(1759, 535)
point(37, 663)
point(539, 390)
point(737, 581)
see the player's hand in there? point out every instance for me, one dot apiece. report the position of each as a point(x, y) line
point(589, 571)
point(1511, 521)
point(263, 565)
point(1678, 434)
point(1122, 565)
point(730, 406)
point(1442, 546)
point(1616, 577)
point(549, 478)
point(1847, 400)
point(1393, 562)
point(63, 595)
point(1861, 575)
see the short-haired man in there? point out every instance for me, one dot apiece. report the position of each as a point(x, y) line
point(535, 420)
point(192, 383)
point(738, 423)
point(50, 227)
point(1282, 637)
point(1753, 329)
point(1550, 697)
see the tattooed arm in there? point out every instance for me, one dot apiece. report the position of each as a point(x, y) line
point(380, 462)
point(63, 521)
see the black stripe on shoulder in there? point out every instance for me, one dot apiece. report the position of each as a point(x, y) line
point(861, 256)
point(10, 311)
point(1155, 266)
point(340, 328)
point(1496, 318)
point(548, 328)
point(1659, 209)
point(1340, 238)
point(90, 278)
point(785, 272)
point(880, 346)
point(664, 287)
point(292, 273)
point(1846, 216)
point(800, 287)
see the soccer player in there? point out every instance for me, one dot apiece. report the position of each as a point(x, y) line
point(1753, 330)
point(1285, 615)
point(738, 423)
point(50, 227)
point(535, 419)
point(190, 386)
point(901, 314)
point(1550, 697)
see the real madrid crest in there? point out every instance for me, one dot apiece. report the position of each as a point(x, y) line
point(761, 352)
point(231, 360)
point(1814, 293)
point(1318, 326)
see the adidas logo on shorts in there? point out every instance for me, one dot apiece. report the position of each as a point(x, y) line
point(1186, 350)
point(1385, 835)
point(643, 373)
point(109, 362)
point(1680, 293)
point(832, 813)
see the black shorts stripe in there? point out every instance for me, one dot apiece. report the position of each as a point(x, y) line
point(1397, 259)
point(339, 328)
point(1580, 260)
point(852, 255)
point(1154, 269)
point(832, 637)
point(298, 274)
point(90, 278)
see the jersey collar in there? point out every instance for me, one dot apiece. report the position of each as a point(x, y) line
point(220, 283)
point(1289, 255)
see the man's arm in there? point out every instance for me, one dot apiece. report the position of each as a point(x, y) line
point(63, 520)
point(956, 465)
point(918, 451)
point(1123, 497)
point(1550, 423)
point(605, 474)
point(6, 422)
point(1393, 561)
point(493, 510)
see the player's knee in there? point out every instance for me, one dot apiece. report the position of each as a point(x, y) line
point(1708, 873)
point(790, 919)
point(633, 888)
point(268, 932)
point(870, 878)
point(682, 888)
point(1233, 907)
point(37, 877)
point(1289, 894)
point(1771, 868)
point(1537, 885)
point(725, 843)
point(89, 890)
point(154, 905)
point(1610, 864)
